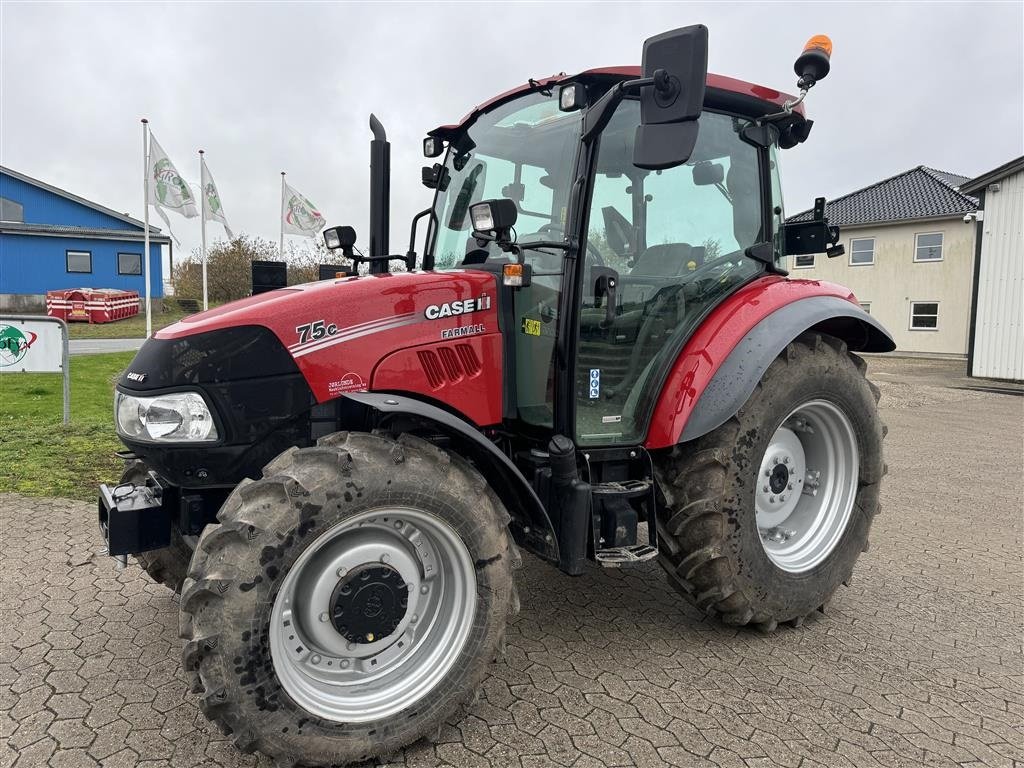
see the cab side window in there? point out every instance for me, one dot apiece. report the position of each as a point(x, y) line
point(672, 243)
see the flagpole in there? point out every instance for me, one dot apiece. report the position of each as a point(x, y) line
point(202, 216)
point(145, 219)
point(282, 215)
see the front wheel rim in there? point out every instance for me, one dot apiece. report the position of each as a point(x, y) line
point(807, 486)
point(419, 569)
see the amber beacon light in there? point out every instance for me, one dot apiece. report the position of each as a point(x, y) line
point(813, 64)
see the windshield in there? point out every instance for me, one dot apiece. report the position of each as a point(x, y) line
point(525, 151)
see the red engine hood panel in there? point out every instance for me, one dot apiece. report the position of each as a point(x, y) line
point(338, 330)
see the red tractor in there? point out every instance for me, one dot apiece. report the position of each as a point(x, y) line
point(597, 357)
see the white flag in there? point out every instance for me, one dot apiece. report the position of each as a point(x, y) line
point(167, 189)
point(213, 210)
point(298, 215)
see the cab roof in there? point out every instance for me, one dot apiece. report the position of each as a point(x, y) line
point(747, 97)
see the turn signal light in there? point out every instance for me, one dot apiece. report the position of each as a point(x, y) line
point(512, 275)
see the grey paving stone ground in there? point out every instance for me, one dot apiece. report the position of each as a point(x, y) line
point(919, 662)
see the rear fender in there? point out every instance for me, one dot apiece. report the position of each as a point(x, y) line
point(531, 526)
point(724, 360)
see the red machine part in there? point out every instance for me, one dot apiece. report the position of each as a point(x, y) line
point(721, 82)
point(712, 342)
point(434, 334)
point(92, 305)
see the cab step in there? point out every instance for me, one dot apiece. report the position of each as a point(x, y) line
point(615, 557)
point(622, 489)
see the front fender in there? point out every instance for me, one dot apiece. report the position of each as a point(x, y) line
point(531, 526)
point(725, 358)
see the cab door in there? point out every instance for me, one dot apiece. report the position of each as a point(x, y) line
point(672, 242)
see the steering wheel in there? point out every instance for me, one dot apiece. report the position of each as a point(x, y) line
point(708, 267)
point(591, 248)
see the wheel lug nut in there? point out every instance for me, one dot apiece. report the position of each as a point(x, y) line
point(767, 473)
point(786, 460)
point(775, 460)
point(385, 558)
point(344, 664)
point(764, 488)
point(424, 589)
point(414, 619)
point(790, 487)
point(315, 659)
point(782, 498)
point(771, 499)
point(351, 647)
point(324, 617)
point(342, 571)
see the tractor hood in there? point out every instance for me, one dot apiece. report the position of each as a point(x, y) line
point(334, 332)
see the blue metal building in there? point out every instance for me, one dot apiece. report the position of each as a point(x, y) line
point(51, 239)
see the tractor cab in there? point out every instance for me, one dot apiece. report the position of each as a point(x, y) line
point(646, 252)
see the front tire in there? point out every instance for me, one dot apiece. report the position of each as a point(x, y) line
point(350, 601)
point(768, 513)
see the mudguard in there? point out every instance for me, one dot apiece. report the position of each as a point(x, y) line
point(531, 525)
point(725, 358)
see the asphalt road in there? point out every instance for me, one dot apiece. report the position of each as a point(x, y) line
point(95, 346)
point(918, 662)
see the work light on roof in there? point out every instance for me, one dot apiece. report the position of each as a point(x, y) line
point(572, 97)
point(432, 146)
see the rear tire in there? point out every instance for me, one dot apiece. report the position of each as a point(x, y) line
point(273, 659)
point(729, 551)
point(169, 565)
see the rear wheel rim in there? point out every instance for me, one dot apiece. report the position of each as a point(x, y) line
point(807, 485)
point(419, 569)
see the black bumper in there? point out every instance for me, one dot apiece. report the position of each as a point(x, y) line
point(134, 518)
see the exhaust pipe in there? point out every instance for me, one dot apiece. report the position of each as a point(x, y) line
point(380, 195)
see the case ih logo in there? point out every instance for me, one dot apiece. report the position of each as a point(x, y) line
point(455, 308)
point(14, 344)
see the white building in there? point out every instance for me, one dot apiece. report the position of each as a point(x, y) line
point(909, 257)
point(996, 348)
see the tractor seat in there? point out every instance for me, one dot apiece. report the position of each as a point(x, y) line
point(668, 260)
point(658, 267)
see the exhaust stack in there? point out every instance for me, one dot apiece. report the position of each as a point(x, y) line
point(380, 194)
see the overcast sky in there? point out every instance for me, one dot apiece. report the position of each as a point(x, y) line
point(287, 86)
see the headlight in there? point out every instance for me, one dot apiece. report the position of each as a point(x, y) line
point(178, 417)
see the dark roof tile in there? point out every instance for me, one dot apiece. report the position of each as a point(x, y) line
point(920, 193)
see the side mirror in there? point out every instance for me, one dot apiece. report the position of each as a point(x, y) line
point(677, 61)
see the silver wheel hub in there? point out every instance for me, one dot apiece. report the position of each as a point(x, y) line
point(806, 486)
point(373, 614)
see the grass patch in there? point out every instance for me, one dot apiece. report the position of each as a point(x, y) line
point(129, 328)
point(39, 455)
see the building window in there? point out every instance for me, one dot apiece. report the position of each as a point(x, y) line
point(11, 210)
point(129, 263)
point(929, 247)
point(862, 251)
point(803, 261)
point(866, 306)
point(924, 315)
point(79, 261)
